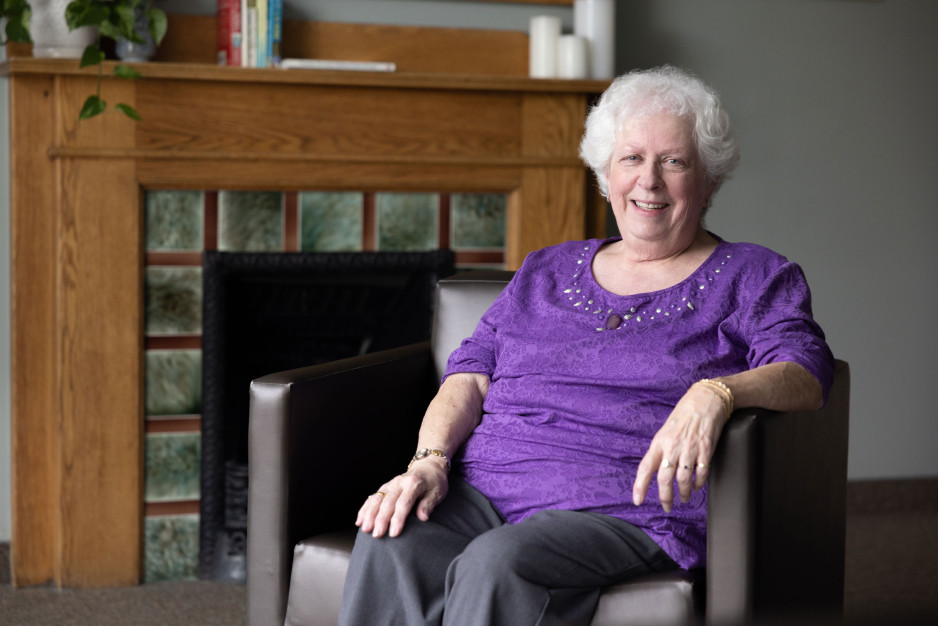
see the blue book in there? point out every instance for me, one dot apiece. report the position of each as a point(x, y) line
point(274, 32)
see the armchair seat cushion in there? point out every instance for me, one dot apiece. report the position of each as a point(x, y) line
point(319, 568)
point(320, 564)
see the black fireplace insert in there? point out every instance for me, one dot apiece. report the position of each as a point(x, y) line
point(265, 312)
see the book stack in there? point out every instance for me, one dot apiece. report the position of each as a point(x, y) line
point(249, 32)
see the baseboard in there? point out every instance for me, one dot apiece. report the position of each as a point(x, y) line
point(892, 496)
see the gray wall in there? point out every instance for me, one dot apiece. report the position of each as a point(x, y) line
point(834, 104)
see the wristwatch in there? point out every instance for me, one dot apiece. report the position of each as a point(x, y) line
point(423, 453)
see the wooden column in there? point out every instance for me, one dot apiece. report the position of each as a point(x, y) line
point(77, 350)
point(34, 463)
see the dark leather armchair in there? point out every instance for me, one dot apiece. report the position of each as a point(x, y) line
point(323, 437)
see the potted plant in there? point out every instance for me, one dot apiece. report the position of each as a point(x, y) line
point(113, 19)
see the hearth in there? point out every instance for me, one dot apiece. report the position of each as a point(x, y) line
point(266, 312)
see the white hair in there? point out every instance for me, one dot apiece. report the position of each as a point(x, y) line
point(665, 89)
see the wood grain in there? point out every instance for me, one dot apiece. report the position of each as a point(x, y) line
point(99, 346)
point(34, 461)
point(304, 119)
point(411, 48)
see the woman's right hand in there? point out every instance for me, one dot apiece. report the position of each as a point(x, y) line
point(455, 411)
point(424, 485)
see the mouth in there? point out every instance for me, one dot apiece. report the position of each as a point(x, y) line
point(650, 206)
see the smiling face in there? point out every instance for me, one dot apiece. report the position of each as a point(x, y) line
point(657, 185)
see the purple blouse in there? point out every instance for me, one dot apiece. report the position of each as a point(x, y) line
point(582, 379)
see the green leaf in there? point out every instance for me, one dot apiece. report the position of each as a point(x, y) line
point(93, 106)
point(157, 24)
point(129, 111)
point(18, 30)
point(91, 56)
point(73, 13)
point(17, 27)
point(78, 14)
point(110, 30)
point(125, 13)
point(124, 20)
point(125, 71)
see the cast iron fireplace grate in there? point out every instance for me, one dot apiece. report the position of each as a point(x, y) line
point(264, 313)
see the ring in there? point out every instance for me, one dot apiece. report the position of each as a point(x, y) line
point(703, 466)
point(379, 493)
point(666, 464)
point(688, 467)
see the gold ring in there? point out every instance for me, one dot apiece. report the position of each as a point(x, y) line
point(666, 464)
point(379, 493)
point(703, 466)
point(688, 467)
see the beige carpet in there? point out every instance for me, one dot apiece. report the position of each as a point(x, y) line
point(157, 604)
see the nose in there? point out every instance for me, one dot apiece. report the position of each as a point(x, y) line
point(650, 175)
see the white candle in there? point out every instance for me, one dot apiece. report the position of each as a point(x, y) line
point(572, 57)
point(596, 20)
point(542, 58)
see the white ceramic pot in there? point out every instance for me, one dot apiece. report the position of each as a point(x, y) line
point(50, 34)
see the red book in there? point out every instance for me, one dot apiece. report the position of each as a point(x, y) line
point(229, 32)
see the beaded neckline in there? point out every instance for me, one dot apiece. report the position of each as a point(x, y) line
point(612, 312)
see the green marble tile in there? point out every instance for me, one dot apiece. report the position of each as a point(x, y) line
point(173, 382)
point(331, 221)
point(478, 220)
point(250, 221)
point(173, 300)
point(407, 221)
point(172, 464)
point(171, 548)
point(174, 220)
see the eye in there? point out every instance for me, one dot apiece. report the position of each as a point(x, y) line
point(675, 163)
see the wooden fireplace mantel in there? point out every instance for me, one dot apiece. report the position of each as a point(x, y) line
point(77, 247)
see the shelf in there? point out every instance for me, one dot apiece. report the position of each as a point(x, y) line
point(395, 80)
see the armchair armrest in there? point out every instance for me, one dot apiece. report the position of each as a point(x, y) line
point(302, 430)
point(777, 512)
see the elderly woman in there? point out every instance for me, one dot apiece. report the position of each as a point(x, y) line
point(593, 392)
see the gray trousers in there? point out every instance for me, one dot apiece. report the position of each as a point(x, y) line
point(467, 566)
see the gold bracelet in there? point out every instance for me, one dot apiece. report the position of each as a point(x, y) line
point(726, 395)
point(423, 453)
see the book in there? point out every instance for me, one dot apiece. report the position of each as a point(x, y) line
point(262, 8)
point(248, 33)
point(274, 32)
point(326, 64)
point(229, 32)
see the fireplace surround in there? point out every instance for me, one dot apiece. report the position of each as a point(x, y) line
point(77, 387)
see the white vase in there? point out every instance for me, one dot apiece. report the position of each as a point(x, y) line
point(596, 21)
point(50, 34)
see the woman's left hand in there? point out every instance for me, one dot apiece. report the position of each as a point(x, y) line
point(683, 447)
